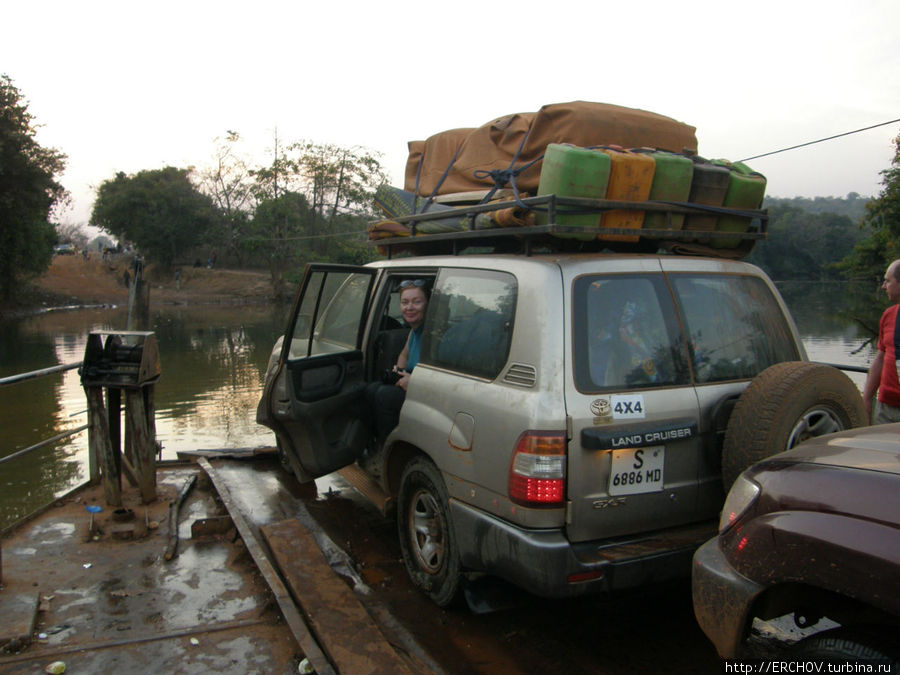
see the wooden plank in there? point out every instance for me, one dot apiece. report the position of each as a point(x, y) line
point(143, 449)
point(230, 453)
point(311, 649)
point(345, 630)
point(101, 446)
point(204, 527)
point(367, 486)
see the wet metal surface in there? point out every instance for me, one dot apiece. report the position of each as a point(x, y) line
point(651, 630)
point(213, 593)
point(116, 606)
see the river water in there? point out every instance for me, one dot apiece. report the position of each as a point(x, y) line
point(213, 361)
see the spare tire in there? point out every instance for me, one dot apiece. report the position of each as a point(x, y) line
point(784, 405)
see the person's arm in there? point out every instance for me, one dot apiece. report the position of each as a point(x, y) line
point(873, 381)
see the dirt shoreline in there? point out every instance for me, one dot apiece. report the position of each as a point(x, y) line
point(73, 282)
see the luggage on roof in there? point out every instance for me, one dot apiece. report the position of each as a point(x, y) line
point(523, 137)
point(477, 187)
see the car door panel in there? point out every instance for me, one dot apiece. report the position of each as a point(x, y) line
point(314, 398)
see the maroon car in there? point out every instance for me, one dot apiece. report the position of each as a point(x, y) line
point(813, 533)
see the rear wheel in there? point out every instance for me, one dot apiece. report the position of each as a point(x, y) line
point(843, 644)
point(426, 534)
point(785, 404)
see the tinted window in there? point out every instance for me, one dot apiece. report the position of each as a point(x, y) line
point(469, 323)
point(734, 325)
point(626, 335)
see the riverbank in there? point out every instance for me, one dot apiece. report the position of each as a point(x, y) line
point(73, 280)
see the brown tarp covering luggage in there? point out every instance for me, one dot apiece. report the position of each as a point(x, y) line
point(494, 145)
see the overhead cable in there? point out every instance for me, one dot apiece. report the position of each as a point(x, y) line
point(821, 140)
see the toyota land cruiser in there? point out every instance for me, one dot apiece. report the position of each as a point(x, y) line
point(564, 428)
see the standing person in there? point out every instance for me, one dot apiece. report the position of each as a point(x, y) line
point(883, 375)
point(387, 398)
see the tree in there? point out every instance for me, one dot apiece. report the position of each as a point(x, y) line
point(229, 184)
point(871, 256)
point(337, 186)
point(159, 211)
point(281, 225)
point(72, 233)
point(804, 244)
point(338, 181)
point(29, 190)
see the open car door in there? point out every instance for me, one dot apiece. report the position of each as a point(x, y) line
point(314, 398)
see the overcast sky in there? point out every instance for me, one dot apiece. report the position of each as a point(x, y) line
point(123, 86)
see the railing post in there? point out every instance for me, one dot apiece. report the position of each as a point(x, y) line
point(131, 366)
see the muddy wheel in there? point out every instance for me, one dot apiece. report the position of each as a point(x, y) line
point(785, 404)
point(847, 644)
point(426, 533)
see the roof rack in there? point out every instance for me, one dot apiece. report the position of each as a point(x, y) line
point(469, 231)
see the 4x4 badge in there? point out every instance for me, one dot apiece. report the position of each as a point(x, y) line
point(618, 407)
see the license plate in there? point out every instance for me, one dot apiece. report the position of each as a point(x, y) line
point(636, 470)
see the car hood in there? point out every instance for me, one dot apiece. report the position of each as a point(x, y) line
point(875, 448)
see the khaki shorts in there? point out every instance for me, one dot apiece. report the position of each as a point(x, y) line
point(885, 414)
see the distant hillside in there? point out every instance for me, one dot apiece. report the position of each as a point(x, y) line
point(853, 205)
point(808, 236)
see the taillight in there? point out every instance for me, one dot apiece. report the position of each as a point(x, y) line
point(538, 469)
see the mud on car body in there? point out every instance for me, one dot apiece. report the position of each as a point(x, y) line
point(565, 426)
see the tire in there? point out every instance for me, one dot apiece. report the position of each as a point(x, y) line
point(847, 644)
point(427, 538)
point(784, 405)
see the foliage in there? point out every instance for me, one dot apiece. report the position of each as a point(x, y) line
point(280, 224)
point(338, 180)
point(159, 211)
point(29, 190)
point(872, 255)
point(72, 233)
point(229, 184)
point(338, 185)
point(804, 245)
point(853, 205)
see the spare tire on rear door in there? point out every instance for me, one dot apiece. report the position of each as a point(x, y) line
point(784, 405)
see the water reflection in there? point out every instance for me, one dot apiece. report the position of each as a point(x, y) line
point(213, 362)
point(838, 322)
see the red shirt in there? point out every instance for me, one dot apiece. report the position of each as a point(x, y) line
point(889, 389)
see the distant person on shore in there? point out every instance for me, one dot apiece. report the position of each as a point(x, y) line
point(883, 376)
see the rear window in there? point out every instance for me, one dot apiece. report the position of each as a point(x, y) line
point(734, 325)
point(626, 334)
point(627, 330)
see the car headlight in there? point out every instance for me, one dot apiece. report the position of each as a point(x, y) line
point(741, 496)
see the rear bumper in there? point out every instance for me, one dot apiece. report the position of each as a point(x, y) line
point(722, 599)
point(545, 563)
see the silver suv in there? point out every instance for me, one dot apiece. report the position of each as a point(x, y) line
point(567, 424)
